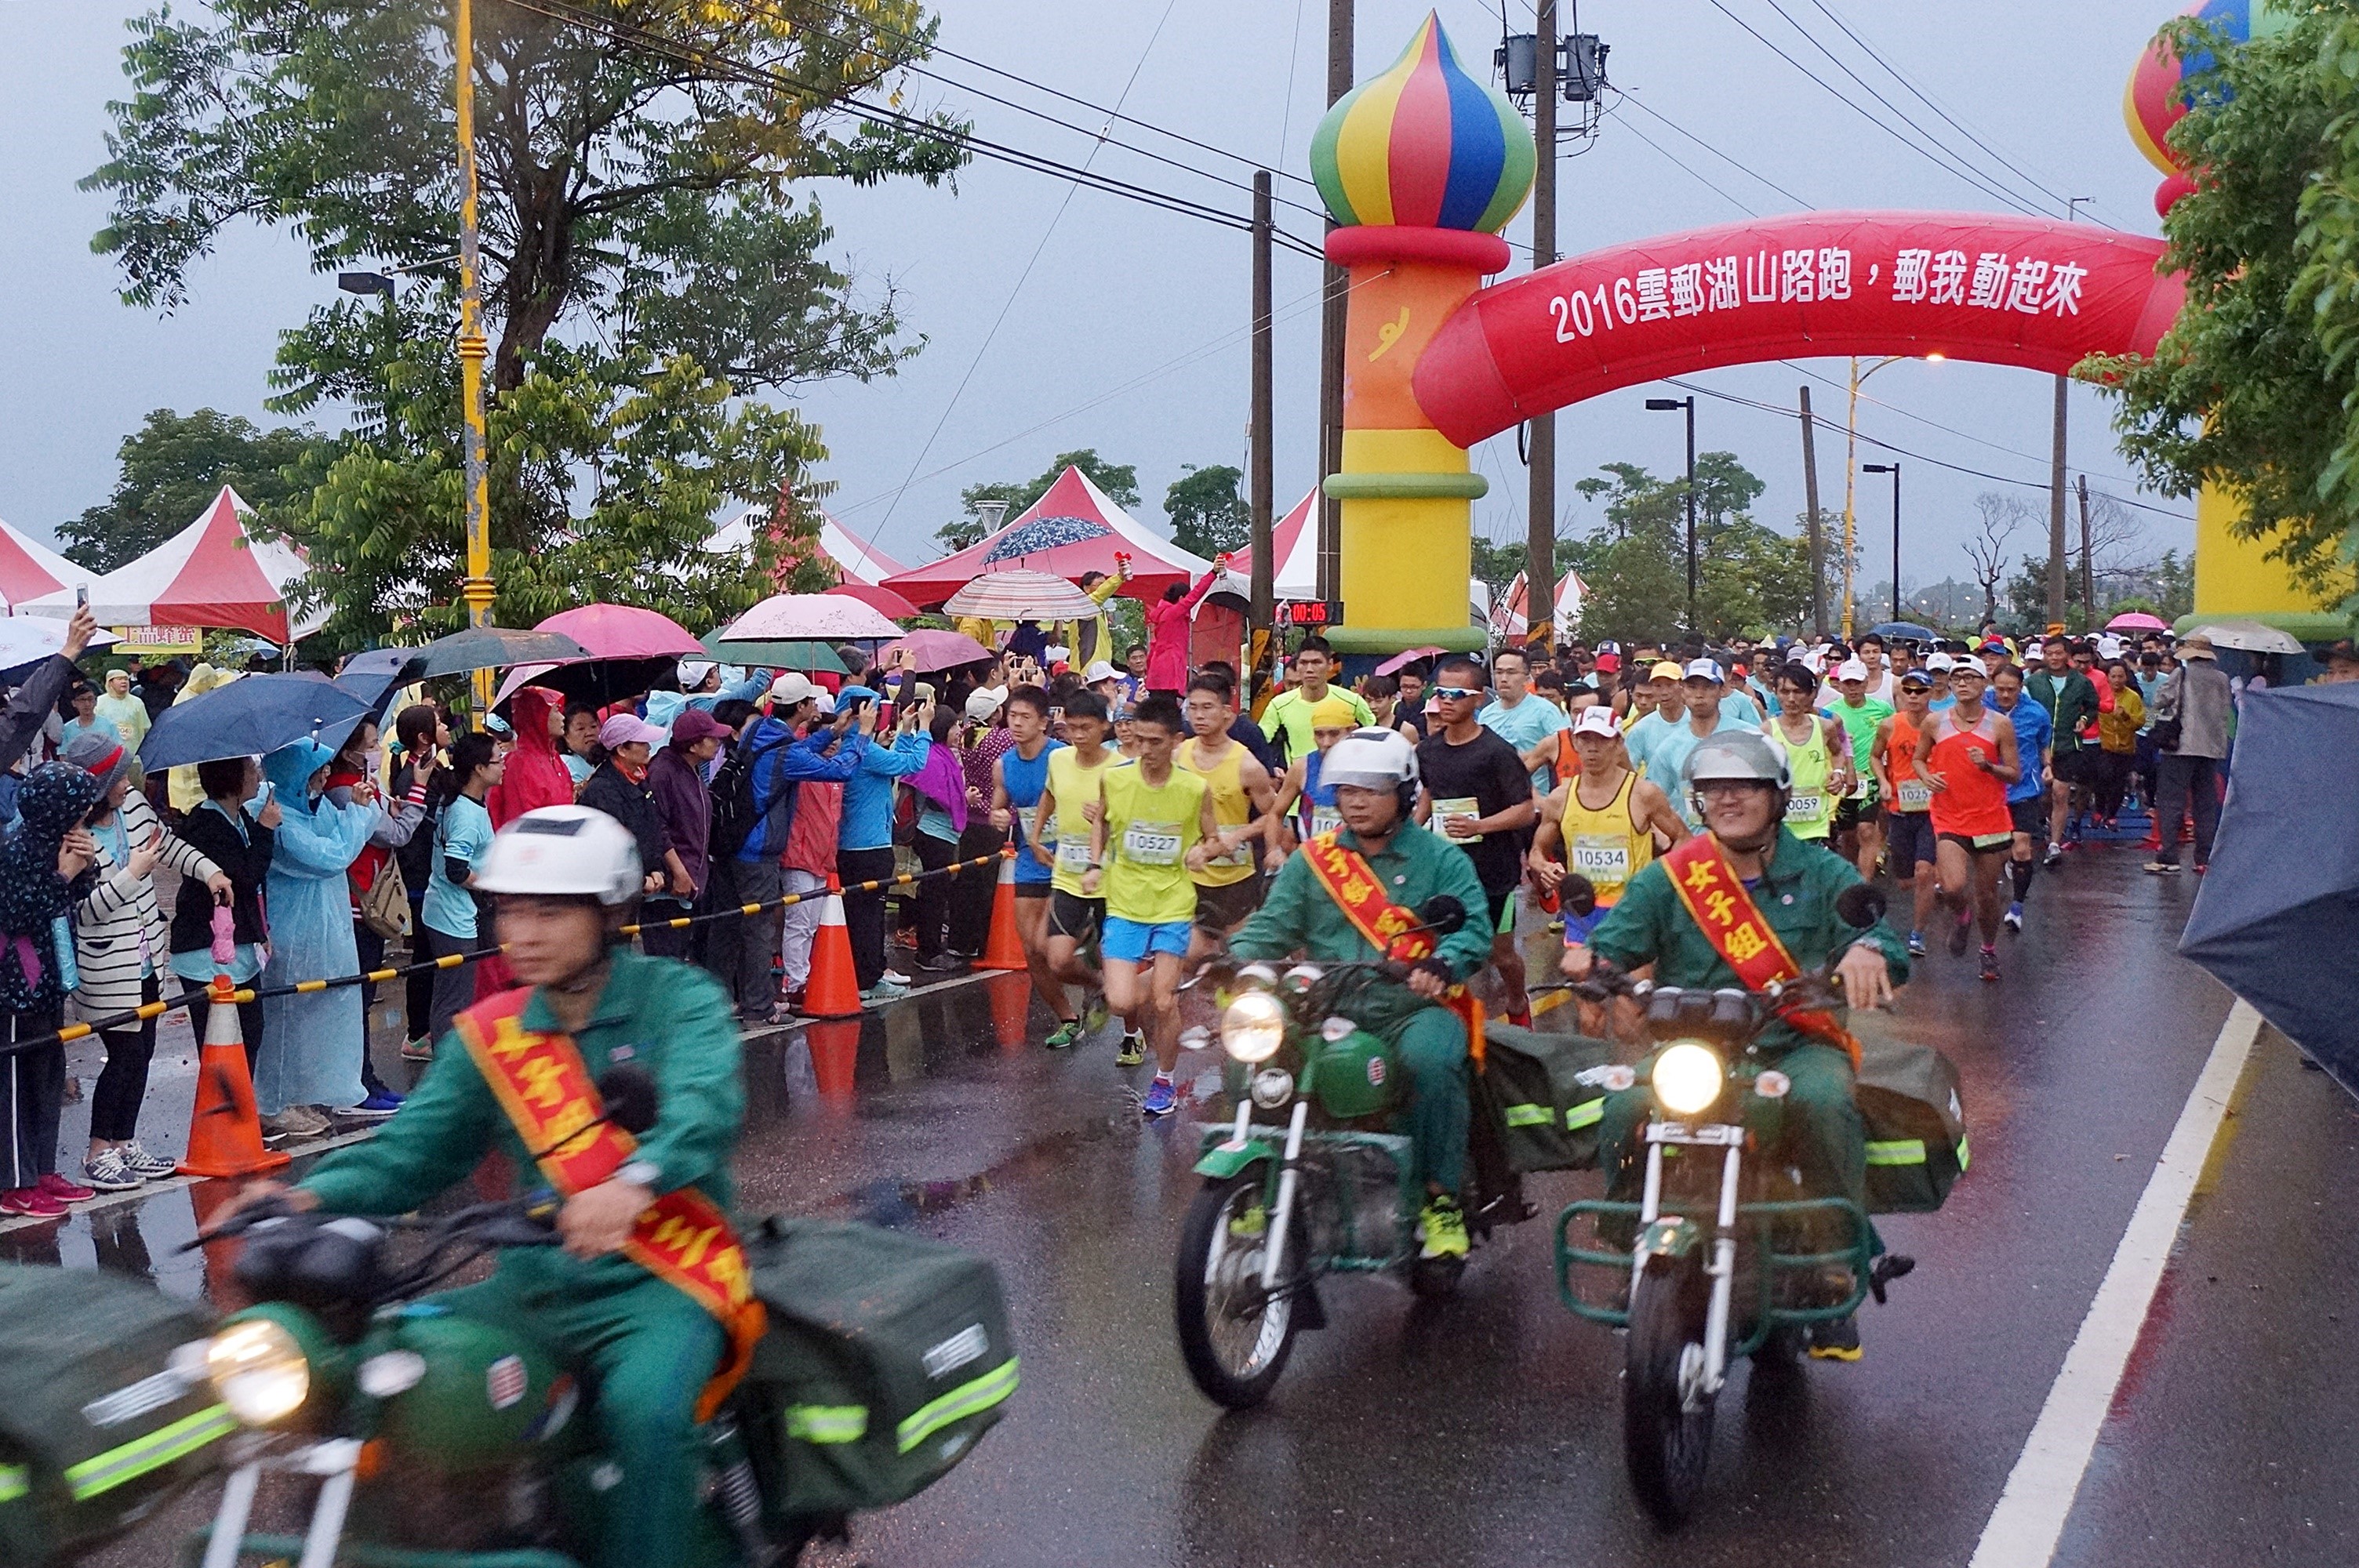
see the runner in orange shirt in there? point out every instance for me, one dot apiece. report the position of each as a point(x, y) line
point(1968, 754)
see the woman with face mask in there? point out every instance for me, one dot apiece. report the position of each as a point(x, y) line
point(310, 1059)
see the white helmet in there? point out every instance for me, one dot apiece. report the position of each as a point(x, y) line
point(563, 852)
point(1370, 759)
point(1739, 754)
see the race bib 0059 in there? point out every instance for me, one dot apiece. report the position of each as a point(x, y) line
point(1804, 807)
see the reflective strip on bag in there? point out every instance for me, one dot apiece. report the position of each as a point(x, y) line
point(1586, 1114)
point(966, 1400)
point(111, 1469)
point(1529, 1116)
point(1898, 1152)
point(1962, 1153)
point(15, 1480)
point(827, 1423)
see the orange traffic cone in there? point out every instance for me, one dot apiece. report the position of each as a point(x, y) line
point(225, 1129)
point(1005, 950)
point(836, 1057)
point(1011, 1010)
point(222, 1289)
point(834, 988)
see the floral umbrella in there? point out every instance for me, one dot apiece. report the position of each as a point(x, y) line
point(1044, 534)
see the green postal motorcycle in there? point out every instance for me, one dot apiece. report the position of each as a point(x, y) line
point(1326, 1191)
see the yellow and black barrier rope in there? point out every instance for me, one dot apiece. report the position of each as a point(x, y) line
point(243, 994)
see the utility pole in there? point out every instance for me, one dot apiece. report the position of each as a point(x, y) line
point(2056, 515)
point(1540, 533)
point(1330, 333)
point(472, 348)
point(1818, 541)
point(1264, 598)
point(2088, 569)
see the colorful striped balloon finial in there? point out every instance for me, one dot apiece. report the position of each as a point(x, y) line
point(1424, 146)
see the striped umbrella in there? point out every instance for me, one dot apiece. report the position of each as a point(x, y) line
point(1021, 596)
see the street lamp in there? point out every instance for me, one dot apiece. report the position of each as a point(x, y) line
point(1667, 406)
point(1892, 468)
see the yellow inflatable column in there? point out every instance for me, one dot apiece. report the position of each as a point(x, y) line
point(1422, 166)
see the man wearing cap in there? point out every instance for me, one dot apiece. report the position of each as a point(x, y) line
point(618, 786)
point(1656, 703)
point(775, 763)
point(2342, 663)
point(1751, 867)
point(1858, 824)
point(684, 807)
point(2198, 697)
point(2027, 798)
point(1106, 681)
point(2072, 702)
point(1603, 817)
point(1668, 749)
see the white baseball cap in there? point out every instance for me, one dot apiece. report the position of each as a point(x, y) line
point(1596, 720)
point(792, 688)
point(1940, 662)
point(1851, 669)
point(1099, 670)
point(983, 701)
point(1967, 664)
point(1703, 669)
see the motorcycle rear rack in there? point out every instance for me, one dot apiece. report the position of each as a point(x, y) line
point(1768, 1266)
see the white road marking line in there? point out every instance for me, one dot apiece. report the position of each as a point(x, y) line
point(2023, 1529)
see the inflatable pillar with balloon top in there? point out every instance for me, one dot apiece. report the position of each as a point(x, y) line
point(2235, 578)
point(1421, 167)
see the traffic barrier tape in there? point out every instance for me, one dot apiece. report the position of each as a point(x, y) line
point(148, 1010)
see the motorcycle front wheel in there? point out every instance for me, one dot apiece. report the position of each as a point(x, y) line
point(1234, 1339)
point(1666, 1444)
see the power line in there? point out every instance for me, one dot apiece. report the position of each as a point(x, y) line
point(1688, 170)
point(1642, 105)
point(1936, 158)
point(1801, 369)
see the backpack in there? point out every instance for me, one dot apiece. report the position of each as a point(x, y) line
point(733, 816)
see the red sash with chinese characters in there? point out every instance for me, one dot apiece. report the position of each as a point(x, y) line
point(1346, 876)
point(1716, 901)
point(683, 1238)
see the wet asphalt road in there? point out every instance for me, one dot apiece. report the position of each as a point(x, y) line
point(1486, 1429)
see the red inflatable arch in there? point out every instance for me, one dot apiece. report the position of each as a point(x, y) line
point(2018, 291)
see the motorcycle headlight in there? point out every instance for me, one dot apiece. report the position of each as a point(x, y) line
point(1687, 1077)
point(1254, 1027)
point(259, 1371)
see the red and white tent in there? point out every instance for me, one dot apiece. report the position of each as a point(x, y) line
point(29, 568)
point(1075, 510)
point(1508, 617)
point(210, 573)
point(855, 559)
point(1294, 545)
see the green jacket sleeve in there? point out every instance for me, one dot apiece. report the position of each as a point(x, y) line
point(701, 1081)
point(441, 1130)
point(1276, 927)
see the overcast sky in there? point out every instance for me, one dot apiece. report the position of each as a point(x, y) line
point(1122, 327)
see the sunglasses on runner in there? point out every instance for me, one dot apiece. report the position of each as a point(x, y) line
point(1457, 693)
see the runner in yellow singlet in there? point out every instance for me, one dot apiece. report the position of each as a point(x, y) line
point(1818, 753)
point(1228, 888)
point(1060, 834)
point(1606, 819)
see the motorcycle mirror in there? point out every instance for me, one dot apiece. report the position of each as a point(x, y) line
point(1859, 906)
point(629, 1091)
point(1442, 914)
point(1577, 895)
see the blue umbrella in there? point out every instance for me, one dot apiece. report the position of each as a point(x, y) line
point(1044, 534)
point(251, 716)
point(2278, 914)
point(1905, 631)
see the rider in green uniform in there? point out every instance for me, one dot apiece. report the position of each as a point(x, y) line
point(1738, 784)
point(566, 878)
point(1374, 773)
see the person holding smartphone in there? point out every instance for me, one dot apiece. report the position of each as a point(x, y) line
point(865, 839)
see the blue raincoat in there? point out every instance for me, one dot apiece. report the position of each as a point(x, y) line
point(311, 1044)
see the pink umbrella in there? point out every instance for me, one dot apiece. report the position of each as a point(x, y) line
point(625, 631)
point(883, 601)
point(1394, 664)
point(804, 618)
point(934, 650)
point(2136, 621)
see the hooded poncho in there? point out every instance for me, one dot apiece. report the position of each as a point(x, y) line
point(536, 775)
point(36, 906)
point(311, 1044)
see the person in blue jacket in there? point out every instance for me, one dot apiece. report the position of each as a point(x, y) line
point(863, 844)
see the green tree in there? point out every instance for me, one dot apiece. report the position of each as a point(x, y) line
point(1749, 576)
point(2256, 386)
point(1120, 483)
point(651, 259)
point(169, 471)
point(1209, 517)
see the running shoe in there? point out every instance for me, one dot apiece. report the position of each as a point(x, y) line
point(1441, 1228)
point(57, 1188)
point(2203, 867)
point(1962, 931)
point(1836, 1341)
point(155, 1167)
point(895, 978)
point(2014, 916)
point(1989, 963)
point(885, 991)
point(1061, 1038)
point(1134, 1049)
point(940, 963)
point(31, 1203)
point(377, 1108)
point(1094, 1016)
point(1916, 944)
point(109, 1171)
point(2055, 856)
point(1162, 1098)
point(421, 1050)
point(2162, 868)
